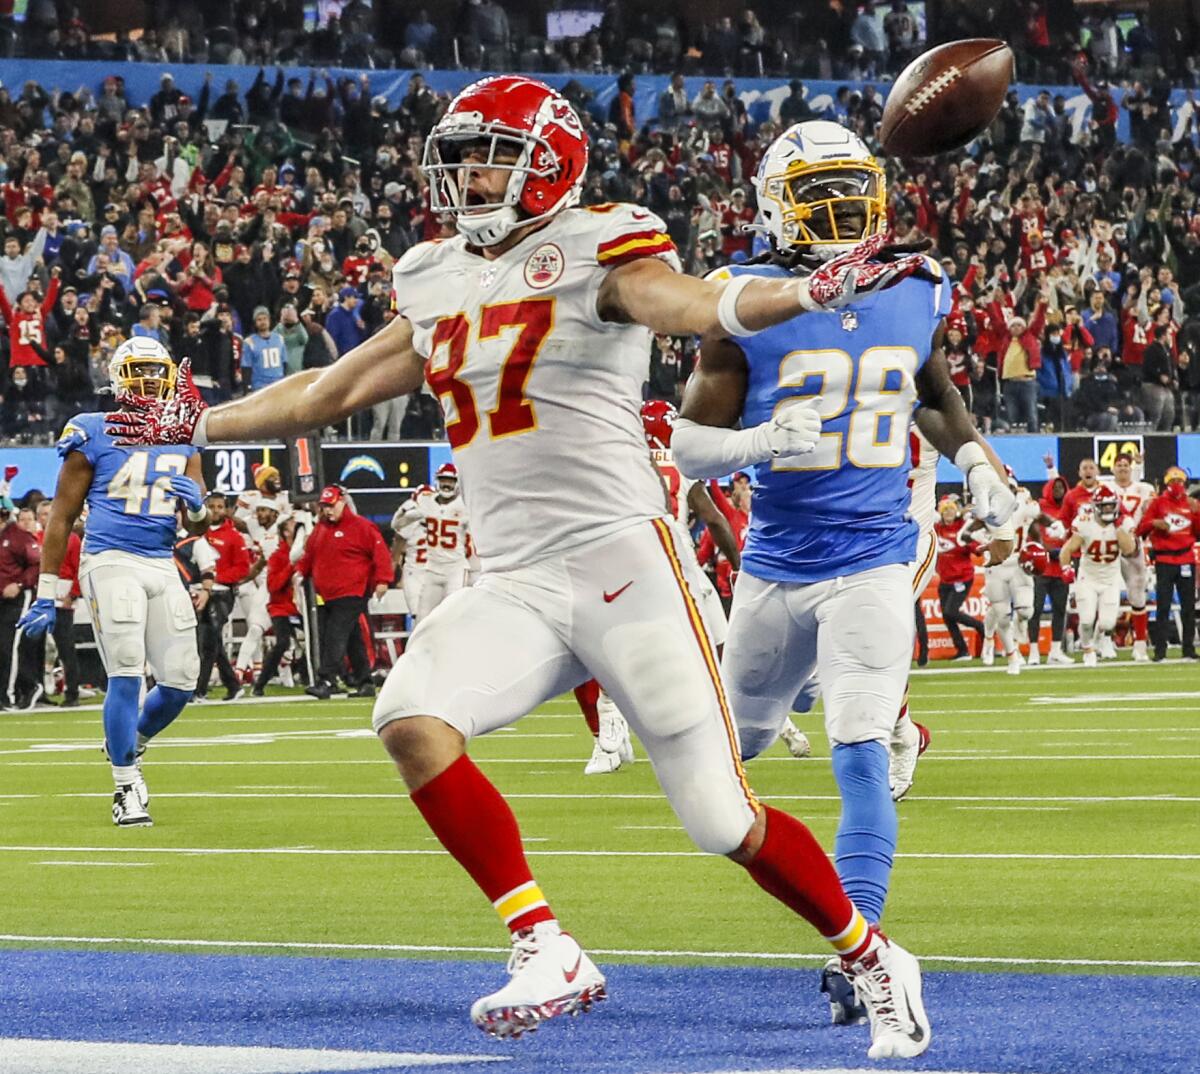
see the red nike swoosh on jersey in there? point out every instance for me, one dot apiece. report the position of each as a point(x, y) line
point(610, 597)
point(570, 975)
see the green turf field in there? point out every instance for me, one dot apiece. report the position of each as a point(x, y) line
point(1057, 817)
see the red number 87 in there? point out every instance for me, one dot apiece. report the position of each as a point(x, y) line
point(513, 412)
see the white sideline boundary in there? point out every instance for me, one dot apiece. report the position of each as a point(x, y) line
point(613, 952)
point(412, 852)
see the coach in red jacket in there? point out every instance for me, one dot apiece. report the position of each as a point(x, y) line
point(346, 559)
point(1172, 523)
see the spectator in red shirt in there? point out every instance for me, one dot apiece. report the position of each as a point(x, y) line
point(27, 324)
point(734, 219)
point(347, 559)
point(281, 604)
point(1171, 521)
point(20, 558)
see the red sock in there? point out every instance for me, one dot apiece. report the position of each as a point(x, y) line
point(473, 821)
point(587, 694)
point(1140, 621)
point(792, 866)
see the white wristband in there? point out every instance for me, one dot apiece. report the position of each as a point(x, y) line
point(805, 298)
point(47, 587)
point(969, 456)
point(198, 516)
point(200, 432)
point(727, 307)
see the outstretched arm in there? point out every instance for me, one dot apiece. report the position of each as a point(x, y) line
point(718, 525)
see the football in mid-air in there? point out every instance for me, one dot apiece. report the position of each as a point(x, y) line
point(946, 97)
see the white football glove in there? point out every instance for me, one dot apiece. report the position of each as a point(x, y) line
point(794, 430)
point(1056, 531)
point(994, 500)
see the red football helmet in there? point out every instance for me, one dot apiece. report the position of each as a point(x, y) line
point(1107, 504)
point(1034, 559)
point(446, 478)
point(658, 421)
point(513, 124)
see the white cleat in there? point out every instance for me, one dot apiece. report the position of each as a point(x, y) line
point(139, 784)
point(602, 761)
point(1034, 657)
point(1090, 659)
point(1057, 656)
point(988, 653)
point(612, 724)
point(796, 741)
point(1106, 648)
point(1015, 662)
point(127, 808)
point(887, 981)
point(1140, 656)
point(903, 751)
point(550, 975)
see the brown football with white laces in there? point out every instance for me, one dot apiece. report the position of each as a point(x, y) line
point(946, 97)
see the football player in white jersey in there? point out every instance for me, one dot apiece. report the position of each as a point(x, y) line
point(1134, 493)
point(1008, 588)
point(268, 489)
point(1101, 537)
point(262, 527)
point(443, 552)
point(533, 326)
point(408, 546)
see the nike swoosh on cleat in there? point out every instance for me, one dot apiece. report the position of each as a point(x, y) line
point(918, 1034)
point(610, 597)
point(570, 975)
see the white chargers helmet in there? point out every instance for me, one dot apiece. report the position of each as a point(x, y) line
point(820, 191)
point(142, 366)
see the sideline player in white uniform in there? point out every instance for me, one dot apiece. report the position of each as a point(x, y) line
point(534, 324)
point(442, 561)
point(1008, 588)
point(1101, 537)
point(827, 569)
point(140, 609)
point(408, 547)
point(268, 489)
point(1134, 493)
point(262, 527)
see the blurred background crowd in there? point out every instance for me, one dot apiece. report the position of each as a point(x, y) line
point(251, 226)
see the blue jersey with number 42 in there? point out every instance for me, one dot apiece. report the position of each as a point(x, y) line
point(844, 508)
point(130, 506)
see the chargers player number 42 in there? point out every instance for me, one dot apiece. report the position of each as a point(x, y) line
point(129, 483)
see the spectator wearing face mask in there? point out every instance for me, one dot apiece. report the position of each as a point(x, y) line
point(1171, 521)
point(1055, 379)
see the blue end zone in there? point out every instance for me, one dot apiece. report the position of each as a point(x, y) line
point(660, 1019)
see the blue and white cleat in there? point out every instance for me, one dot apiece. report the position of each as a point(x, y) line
point(844, 1007)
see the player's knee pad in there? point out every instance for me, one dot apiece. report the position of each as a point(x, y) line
point(180, 665)
point(870, 626)
point(716, 825)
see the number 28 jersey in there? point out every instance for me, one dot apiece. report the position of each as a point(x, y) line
point(130, 506)
point(541, 397)
point(845, 508)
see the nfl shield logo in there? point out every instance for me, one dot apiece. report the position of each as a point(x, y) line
point(849, 320)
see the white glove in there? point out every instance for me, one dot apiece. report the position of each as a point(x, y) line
point(1056, 531)
point(794, 430)
point(993, 500)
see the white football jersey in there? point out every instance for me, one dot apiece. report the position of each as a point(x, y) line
point(1024, 515)
point(922, 480)
point(1099, 558)
point(251, 499)
point(441, 530)
point(542, 399)
point(1134, 496)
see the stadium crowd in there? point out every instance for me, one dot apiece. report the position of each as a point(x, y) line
point(267, 248)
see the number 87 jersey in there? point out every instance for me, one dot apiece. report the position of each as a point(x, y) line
point(541, 397)
point(843, 509)
point(130, 505)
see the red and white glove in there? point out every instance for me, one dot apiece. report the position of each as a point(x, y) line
point(872, 265)
point(1068, 575)
point(144, 422)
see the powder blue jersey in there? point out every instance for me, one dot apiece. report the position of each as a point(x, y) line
point(844, 508)
point(130, 506)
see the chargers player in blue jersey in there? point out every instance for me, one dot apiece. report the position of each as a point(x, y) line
point(140, 609)
point(824, 403)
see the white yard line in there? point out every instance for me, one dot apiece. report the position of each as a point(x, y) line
point(614, 952)
point(409, 852)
